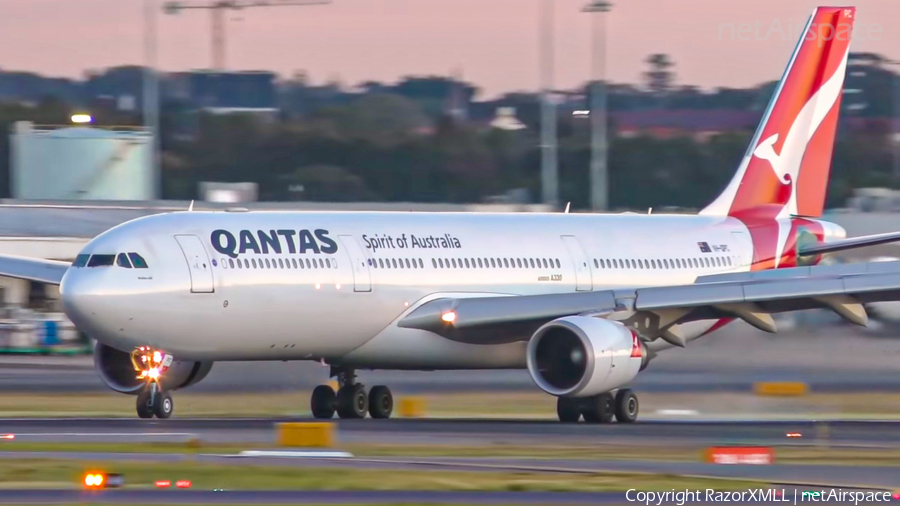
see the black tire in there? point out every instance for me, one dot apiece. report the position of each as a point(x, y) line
point(352, 402)
point(626, 406)
point(322, 402)
point(144, 405)
point(381, 402)
point(599, 408)
point(163, 405)
point(568, 409)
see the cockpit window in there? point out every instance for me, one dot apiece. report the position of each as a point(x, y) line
point(101, 260)
point(81, 261)
point(122, 261)
point(138, 261)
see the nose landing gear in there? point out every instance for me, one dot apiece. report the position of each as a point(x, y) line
point(152, 402)
point(351, 400)
point(151, 366)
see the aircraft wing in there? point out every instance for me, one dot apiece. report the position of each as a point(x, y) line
point(656, 312)
point(33, 269)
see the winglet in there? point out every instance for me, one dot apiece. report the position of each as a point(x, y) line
point(191, 207)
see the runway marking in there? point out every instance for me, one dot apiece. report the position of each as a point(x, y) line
point(114, 434)
point(294, 454)
point(677, 412)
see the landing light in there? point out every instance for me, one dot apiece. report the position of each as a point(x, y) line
point(81, 118)
point(449, 317)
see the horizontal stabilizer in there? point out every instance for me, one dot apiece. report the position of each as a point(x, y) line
point(851, 243)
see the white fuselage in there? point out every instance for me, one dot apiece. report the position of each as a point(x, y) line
point(332, 285)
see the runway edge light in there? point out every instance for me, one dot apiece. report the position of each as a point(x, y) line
point(98, 480)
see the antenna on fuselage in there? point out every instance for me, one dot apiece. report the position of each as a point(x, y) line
point(650, 211)
point(191, 207)
point(567, 208)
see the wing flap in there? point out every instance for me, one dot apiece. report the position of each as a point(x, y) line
point(657, 311)
point(33, 269)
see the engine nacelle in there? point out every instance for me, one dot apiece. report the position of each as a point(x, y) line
point(116, 370)
point(580, 356)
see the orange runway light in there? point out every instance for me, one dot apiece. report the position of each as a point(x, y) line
point(183, 484)
point(9, 436)
point(94, 480)
point(794, 434)
point(163, 483)
point(97, 480)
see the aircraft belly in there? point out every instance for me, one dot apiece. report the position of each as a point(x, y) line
point(412, 349)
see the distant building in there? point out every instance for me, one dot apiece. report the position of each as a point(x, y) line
point(506, 119)
point(227, 92)
point(699, 124)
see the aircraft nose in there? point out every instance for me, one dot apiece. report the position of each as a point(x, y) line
point(85, 304)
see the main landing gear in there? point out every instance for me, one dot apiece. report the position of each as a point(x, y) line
point(152, 400)
point(351, 399)
point(600, 408)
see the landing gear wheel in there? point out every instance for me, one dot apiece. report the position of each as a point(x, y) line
point(381, 402)
point(144, 404)
point(567, 409)
point(626, 406)
point(323, 401)
point(163, 405)
point(599, 408)
point(352, 402)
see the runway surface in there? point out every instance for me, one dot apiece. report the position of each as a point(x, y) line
point(459, 431)
point(450, 432)
point(329, 497)
point(820, 475)
point(303, 497)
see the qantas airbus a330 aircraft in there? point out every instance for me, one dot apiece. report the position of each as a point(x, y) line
point(584, 302)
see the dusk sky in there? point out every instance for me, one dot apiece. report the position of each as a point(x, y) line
point(492, 43)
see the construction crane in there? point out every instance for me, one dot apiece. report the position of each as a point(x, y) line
point(219, 7)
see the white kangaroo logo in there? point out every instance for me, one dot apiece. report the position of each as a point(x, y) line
point(787, 163)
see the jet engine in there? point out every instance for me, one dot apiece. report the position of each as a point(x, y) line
point(117, 371)
point(580, 356)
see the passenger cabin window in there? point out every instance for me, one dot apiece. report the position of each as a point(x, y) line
point(101, 261)
point(122, 261)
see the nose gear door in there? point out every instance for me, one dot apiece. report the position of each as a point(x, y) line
point(198, 263)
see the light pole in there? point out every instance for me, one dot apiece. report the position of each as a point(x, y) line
point(599, 172)
point(151, 95)
point(549, 177)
